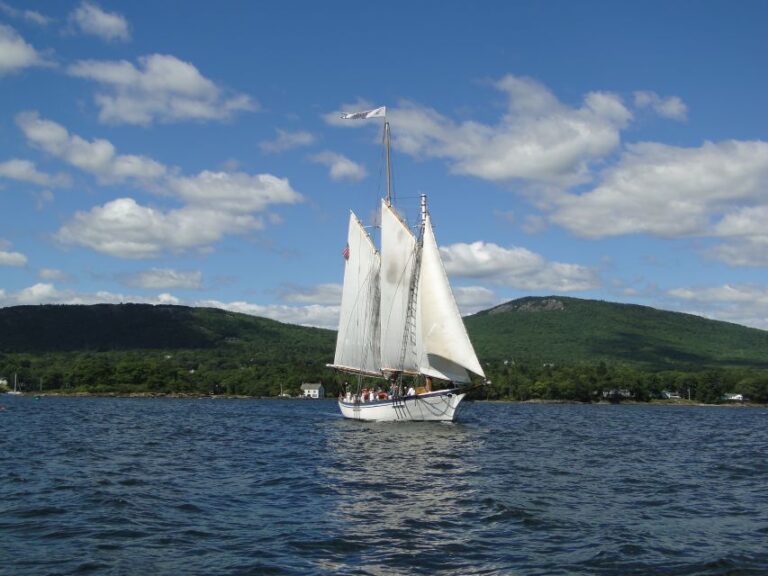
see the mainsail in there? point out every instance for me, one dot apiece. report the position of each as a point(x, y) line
point(398, 313)
point(357, 343)
point(398, 264)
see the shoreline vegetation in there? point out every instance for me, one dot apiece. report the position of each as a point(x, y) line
point(198, 396)
point(549, 349)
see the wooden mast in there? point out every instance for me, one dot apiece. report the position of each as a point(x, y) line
point(389, 175)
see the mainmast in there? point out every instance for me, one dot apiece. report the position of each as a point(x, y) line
point(389, 171)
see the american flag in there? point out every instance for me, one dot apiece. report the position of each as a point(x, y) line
point(345, 252)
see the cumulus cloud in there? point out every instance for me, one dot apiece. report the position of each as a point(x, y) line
point(287, 141)
point(312, 315)
point(341, 167)
point(214, 203)
point(97, 157)
point(161, 88)
point(234, 191)
point(319, 294)
point(671, 107)
point(471, 299)
point(48, 293)
point(15, 53)
point(25, 171)
point(165, 278)
point(516, 267)
point(745, 237)
point(27, 15)
point(667, 190)
point(125, 229)
point(12, 259)
point(538, 138)
point(91, 19)
point(745, 304)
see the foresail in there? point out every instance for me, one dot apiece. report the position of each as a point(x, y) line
point(398, 255)
point(446, 351)
point(357, 343)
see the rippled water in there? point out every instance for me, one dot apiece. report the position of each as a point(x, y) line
point(149, 486)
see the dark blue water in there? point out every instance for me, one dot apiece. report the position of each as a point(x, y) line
point(149, 486)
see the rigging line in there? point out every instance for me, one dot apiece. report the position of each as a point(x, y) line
point(409, 330)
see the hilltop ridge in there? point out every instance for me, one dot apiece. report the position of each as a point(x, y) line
point(571, 330)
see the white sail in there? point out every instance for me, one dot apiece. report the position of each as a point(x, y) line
point(357, 343)
point(398, 257)
point(445, 348)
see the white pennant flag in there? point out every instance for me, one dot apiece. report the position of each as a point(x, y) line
point(376, 113)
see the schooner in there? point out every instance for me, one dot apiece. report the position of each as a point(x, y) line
point(400, 330)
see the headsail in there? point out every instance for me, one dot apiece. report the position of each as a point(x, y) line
point(446, 351)
point(357, 343)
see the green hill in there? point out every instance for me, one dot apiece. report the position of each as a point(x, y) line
point(110, 327)
point(563, 330)
point(130, 348)
point(553, 347)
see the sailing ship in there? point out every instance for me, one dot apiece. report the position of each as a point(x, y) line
point(15, 391)
point(400, 330)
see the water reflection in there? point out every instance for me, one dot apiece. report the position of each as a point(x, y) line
point(397, 486)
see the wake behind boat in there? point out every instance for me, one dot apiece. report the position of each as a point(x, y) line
point(400, 330)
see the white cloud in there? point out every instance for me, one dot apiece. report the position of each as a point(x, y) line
point(287, 141)
point(744, 304)
point(12, 259)
point(89, 18)
point(341, 167)
point(162, 88)
point(25, 171)
point(47, 293)
point(312, 315)
point(667, 190)
point(746, 237)
point(15, 53)
point(27, 15)
point(234, 191)
point(216, 203)
point(538, 139)
point(329, 294)
point(97, 157)
point(671, 107)
point(53, 274)
point(516, 267)
point(471, 299)
point(126, 229)
point(163, 278)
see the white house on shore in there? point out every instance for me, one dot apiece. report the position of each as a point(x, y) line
point(312, 390)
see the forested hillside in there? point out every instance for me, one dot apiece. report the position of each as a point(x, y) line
point(562, 330)
point(551, 347)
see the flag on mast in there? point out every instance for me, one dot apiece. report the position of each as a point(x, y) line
point(364, 115)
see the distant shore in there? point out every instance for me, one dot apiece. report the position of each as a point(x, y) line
point(193, 395)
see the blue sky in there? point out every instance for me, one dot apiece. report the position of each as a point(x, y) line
point(192, 153)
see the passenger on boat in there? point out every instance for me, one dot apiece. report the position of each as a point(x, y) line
point(411, 391)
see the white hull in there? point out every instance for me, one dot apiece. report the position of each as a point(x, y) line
point(439, 406)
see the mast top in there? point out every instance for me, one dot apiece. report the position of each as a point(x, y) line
point(389, 169)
